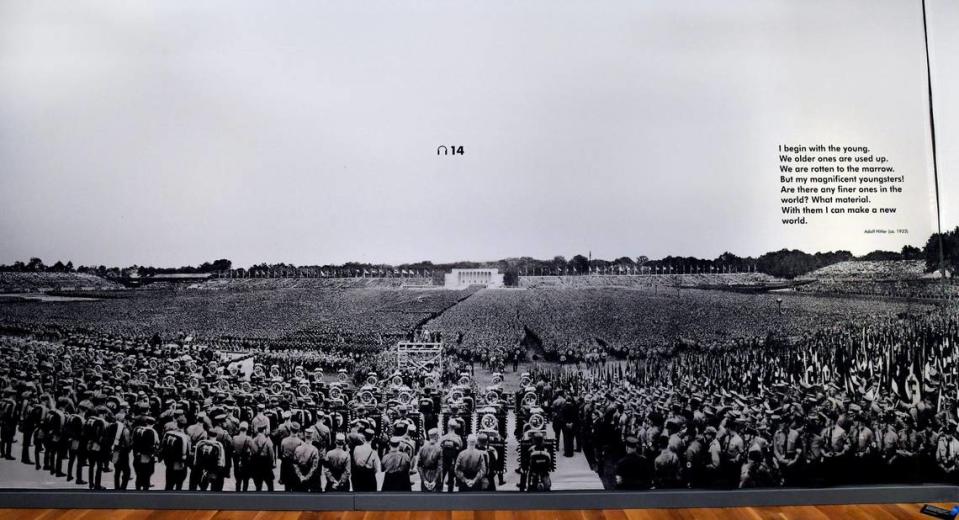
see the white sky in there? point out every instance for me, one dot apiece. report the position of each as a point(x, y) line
point(169, 133)
point(943, 18)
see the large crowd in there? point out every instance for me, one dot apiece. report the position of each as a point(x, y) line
point(871, 401)
point(590, 325)
point(84, 405)
point(674, 388)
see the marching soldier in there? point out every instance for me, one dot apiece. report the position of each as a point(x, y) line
point(836, 448)
point(8, 422)
point(145, 441)
point(242, 457)
point(36, 415)
point(789, 451)
point(482, 444)
point(732, 452)
point(429, 463)
point(321, 435)
point(470, 466)
point(536, 477)
point(263, 459)
point(813, 451)
point(260, 420)
point(93, 433)
point(175, 451)
point(947, 454)
point(209, 462)
point(695, 458)
point(632, 470)
point(287, 447)
point(55, 447)
point(336, 469)
point(196, 432)
point(864, 445)
point(452, 444)
point(366, 463)
point(715, 472)
point(31, 415)
point(396, 467)
point(756, 472)
point(307, 465)
point(219, 432)
point(667, 467)
point(117, 443)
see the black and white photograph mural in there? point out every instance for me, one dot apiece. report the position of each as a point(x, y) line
point(454, 247)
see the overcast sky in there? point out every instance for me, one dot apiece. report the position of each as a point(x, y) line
point(944, 54)
point(173, 132)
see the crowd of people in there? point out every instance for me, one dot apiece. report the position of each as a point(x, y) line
point(771, 391)
point(872, 401)
point(181, 415)
point(279, 315)
point(593, 325)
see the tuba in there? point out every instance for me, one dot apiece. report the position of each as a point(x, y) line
point(489, 422)
point(298, 373)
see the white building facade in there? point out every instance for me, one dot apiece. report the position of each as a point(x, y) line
point(462, 278)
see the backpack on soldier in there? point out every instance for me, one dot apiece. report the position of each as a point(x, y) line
point(53, 423)
point(35, 415)
point(144, 440)
point(208, 454)
point(93, 432)
point(172, 448)
point(8, 410)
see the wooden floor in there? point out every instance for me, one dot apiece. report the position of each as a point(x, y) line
point(853, 512)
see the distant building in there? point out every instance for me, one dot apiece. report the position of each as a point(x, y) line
point(462, 278)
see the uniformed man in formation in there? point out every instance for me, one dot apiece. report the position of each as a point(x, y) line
point(817, 411)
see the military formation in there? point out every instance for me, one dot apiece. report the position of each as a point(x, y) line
point(862, 403)
point(869, 402)
point(111, 413)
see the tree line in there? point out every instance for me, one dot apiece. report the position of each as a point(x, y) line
point(940, 251)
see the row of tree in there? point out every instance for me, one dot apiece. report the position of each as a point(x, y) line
point(940, 251)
